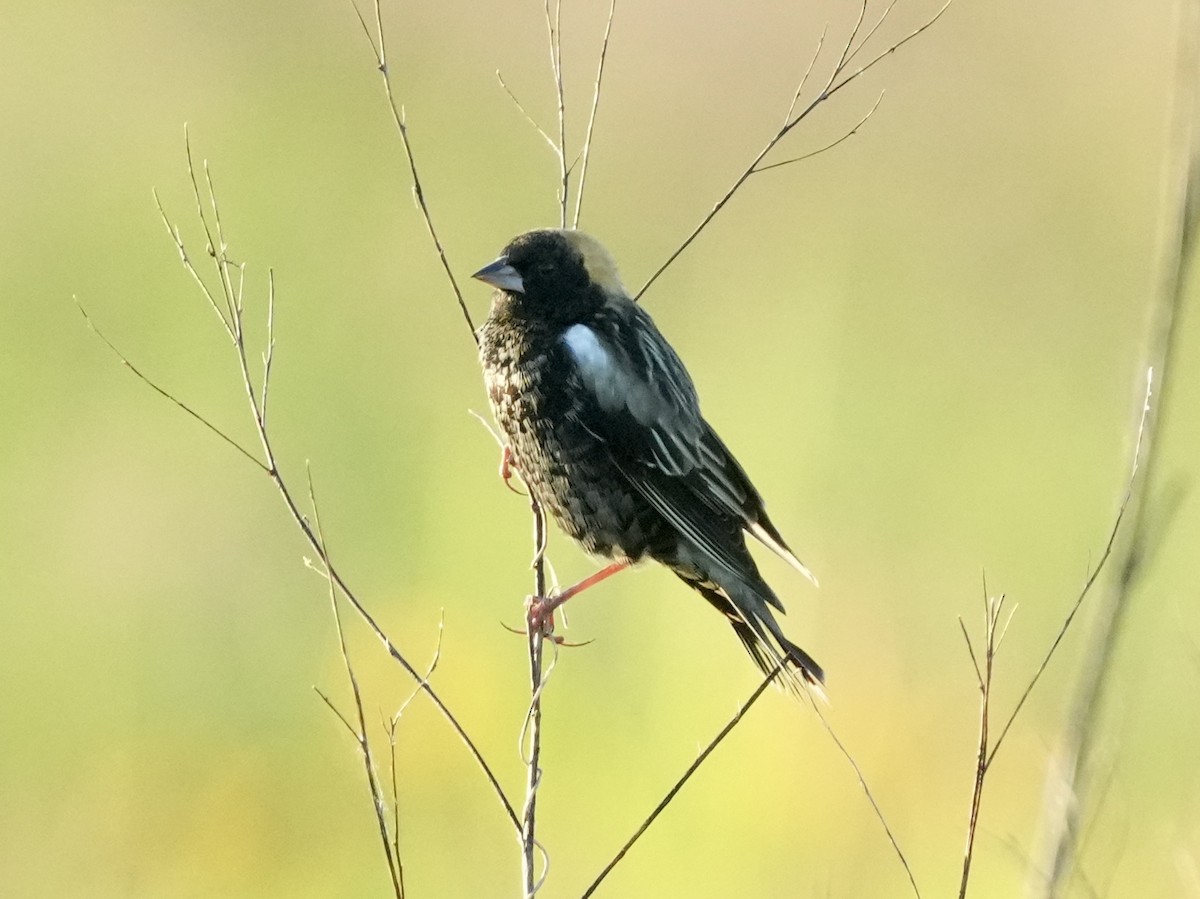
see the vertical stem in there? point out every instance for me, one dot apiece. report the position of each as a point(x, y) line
point(982, 758)
point(529, 842)
point(1061, 819)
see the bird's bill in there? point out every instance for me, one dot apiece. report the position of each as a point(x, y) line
point(502, 275)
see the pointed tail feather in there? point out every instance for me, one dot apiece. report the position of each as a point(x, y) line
point(752, 629)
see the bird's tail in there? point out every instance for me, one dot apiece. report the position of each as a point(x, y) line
point(757, 628)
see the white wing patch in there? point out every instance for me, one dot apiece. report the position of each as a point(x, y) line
point(656, 402)
point(599, 370)
point(585, 347)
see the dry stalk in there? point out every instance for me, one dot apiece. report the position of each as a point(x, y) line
point(230, 311)
point(391, 843)
point(1067, 785)
point(993, 635)
point(984, 674)
point(379, 49)
point(842, 75)
point(684, 778)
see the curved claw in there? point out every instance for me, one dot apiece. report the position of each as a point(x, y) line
point(561, 641)
point(557, 640)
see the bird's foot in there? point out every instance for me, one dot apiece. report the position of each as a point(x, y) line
point(506, 469)
point(539, 612)
point(544, 626)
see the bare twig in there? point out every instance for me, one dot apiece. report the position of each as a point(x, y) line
point(862, 783)
point(692, 768)
point(829, 146)
point(591, 125)
point(164, 393)
point(391, 851)
point(554, 29)
point(269, 354)
point(392, 725)
point(530, 119)
point(994, 633)
point(533, 720)
point(379, 49)
point(1091, 578)
point(1176, 249)
point(838, 79)
point(233, 327)
point(992, 636)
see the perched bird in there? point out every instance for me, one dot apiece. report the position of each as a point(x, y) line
point(602, 423)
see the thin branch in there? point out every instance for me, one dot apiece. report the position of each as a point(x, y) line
point(692, 768)
point(360, 734)
point(804, 78)
point(392, 725)
point(912, 35)
point(530, 119)
point(992, 609)
point(271, 468)
point(838, 79)
point(1091, 578)
point(587, 140)
point(187, 263)
point(533, 719)
point(211, 245)
point(437, 657)
point(971, 651)
point(870, 34)
point(829, 146)
point(379, 50)
point(336, 711)
point(862, 782)
point(220, 254)
point(554, 29)
point(846, 47)
point(163, 392)
point(269, 355)
point(1176, 249)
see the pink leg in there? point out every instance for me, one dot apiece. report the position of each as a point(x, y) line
point(541, 609)
point(506, 469)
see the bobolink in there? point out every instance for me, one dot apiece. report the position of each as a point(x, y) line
point(604, 427)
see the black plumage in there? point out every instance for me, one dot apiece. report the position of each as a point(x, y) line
point(603, 424)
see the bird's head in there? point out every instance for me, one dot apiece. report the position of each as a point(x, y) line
point(554, 275)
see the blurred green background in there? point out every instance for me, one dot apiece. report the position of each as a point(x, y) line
point(926, 347)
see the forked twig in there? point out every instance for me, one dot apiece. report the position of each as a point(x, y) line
point(1091, 578)
point(558, 145)
point(391, 850)
point(829, 146)
point(982, 661)
point(230, 296)
point(1175, 251)
point(838, 79)
point(992, 637)
point(392, 725)
point(166, 394)
point(530, 119)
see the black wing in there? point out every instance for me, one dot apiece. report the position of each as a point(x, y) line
point(643, 405)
